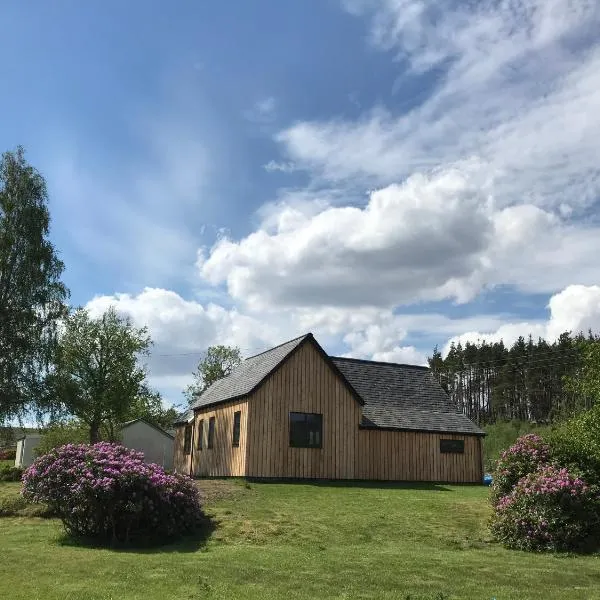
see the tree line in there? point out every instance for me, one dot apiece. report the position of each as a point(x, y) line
point(531, 380)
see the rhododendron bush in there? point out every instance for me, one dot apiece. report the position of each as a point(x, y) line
point(540, 504)
point(527, 455)
point(107, 492)
point(549, 509)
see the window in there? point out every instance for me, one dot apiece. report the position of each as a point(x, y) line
point(454, 446)
point(306, 430)
point(200, 434)
point(187, 440)
point(211, 433)
point(236, 427)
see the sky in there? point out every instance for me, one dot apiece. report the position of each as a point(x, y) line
point(388, 174)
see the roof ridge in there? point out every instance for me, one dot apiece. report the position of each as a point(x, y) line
point(279, 345)
point(380, 362)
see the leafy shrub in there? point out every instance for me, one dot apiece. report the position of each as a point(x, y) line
point(550, 509)
point(61, 434)
point(526, 456)
point(17, 506)
point(575, 445)
point(10, 473)
point(106, 492)
point(8, 454)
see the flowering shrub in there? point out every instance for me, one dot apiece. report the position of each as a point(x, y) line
point(107, 492)
point(527, 455)
point(548, 510)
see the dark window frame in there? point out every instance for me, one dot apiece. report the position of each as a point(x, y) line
point(210, 444)
point(237, 422)
point(450, 446)
point(187, 439)
point(300, 430)
point(200, 441)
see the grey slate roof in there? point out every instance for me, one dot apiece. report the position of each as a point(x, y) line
point(403, 397)
point(246, 376)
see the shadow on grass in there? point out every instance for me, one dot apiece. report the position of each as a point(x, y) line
point(360, 483)
point(188, 543)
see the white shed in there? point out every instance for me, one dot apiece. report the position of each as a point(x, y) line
point(154, 442)
point(25, 447)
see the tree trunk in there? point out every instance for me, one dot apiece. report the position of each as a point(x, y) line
point(94, 432)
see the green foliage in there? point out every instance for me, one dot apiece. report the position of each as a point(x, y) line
point(218, 363)
point(32, 296)
point(10, 473)
point(8, 454)
point(59, 434)
point(503, 434)
point(575, 444)
point(584, 384)
point(98, 378)
point(549, 509)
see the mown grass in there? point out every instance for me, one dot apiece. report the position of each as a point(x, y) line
point(300, 541)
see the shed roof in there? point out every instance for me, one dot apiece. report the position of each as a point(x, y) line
point(142, 420)
point(405, 397)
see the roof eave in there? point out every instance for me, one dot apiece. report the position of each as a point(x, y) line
point(423, 430)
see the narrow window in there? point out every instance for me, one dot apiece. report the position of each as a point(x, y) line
point(236, 427)
point(452, 446)
point(187, 440)
point(200, 434)
point(306, 430)
point(211, 432)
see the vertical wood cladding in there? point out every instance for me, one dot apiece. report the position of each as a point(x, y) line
point(306, 383)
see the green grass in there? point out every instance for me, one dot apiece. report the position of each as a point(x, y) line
point(300, 541)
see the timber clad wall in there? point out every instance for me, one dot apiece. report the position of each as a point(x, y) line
point(224, 459)
point(303, 383)
point(306, 383)
point(416, 456)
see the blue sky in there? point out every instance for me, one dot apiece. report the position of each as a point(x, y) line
point(389, 174)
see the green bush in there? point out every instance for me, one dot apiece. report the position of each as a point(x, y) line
point(550, 509)
point(10, 473)
point(61, 434)
point(576, 445)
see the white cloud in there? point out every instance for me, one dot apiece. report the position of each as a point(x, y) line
point(432, 238)
point(517, 85)
point(283, 167)
point(575, 309)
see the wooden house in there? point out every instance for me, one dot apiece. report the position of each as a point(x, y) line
point(295, 412)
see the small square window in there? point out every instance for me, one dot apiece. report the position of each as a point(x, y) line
point(306, 430)
point(452, 446)
point(237, 416)
point(211, 433)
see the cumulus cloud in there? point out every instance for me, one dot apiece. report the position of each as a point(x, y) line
point(434, 237)
point(183, 329)
point(410, 241)
point(575, 309)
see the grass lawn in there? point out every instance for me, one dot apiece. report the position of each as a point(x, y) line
point(296, 541)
